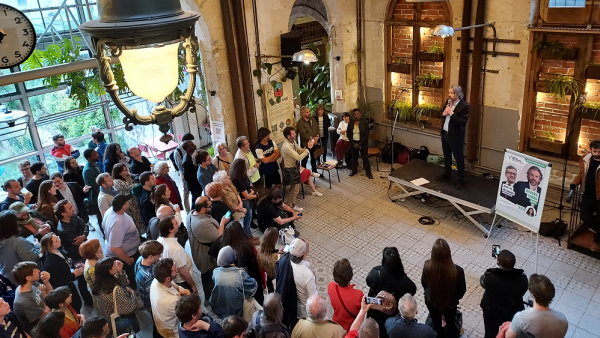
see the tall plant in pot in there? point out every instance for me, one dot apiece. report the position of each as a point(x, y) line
point(318, 91)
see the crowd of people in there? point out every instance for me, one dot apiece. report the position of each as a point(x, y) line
point(50, 269)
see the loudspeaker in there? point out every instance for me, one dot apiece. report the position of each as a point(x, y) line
point(290, 44)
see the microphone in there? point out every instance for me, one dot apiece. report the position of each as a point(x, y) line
point(449, 102)
point(571, 193)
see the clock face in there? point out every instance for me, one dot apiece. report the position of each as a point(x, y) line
point(17, 37)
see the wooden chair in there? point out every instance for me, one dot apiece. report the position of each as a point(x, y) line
point(286, 179)
point(375, 151)
point(325, 167)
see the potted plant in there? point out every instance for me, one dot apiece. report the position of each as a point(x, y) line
point(547, 142)
point(559, 87)
point(429, 80)
point(399, 66)
point(590, 110)
point(434, 53)
point(403, 108)
point(423, 113)
point(554, 50)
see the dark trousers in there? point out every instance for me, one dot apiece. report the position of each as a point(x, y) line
point(590, 214)
point(185, 285)
point(270, 284)
point(492, 321)
point(363, 152)
point(448, 331)
point(207, 283)
point(130, 270)
point(83, 290)
point(452, 147)
point(313, 160)
point(323, 140)
point(195, 195)
point(76, 300)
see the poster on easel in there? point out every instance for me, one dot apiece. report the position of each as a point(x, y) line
point(280, 109)
point(522, 189)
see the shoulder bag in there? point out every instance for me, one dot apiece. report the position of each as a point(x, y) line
point(337, 290)
point(122, 323)
point(250, 305)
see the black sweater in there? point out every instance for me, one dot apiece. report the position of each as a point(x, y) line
point(504, 290)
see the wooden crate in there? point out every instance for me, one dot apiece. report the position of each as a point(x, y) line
point(555, 147)
point(546, 54)
point(433, 57)
point(404, 68)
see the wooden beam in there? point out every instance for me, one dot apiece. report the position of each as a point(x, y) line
point(489, 52)
point(497, 40)
point(475, 93)
point(586, 47)
point(463, 68)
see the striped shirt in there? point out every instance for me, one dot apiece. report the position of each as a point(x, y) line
point(11, 328)
point(144, 275)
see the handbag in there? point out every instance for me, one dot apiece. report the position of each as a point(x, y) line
point(291, 176)
point(337, 289)
point(122, 323)
point(388, 303)
point(286, 235)
point(250, 305)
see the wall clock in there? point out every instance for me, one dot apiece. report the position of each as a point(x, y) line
point(17, 37)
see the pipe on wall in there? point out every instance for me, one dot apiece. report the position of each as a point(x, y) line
point(475, 92)
point(463, 71)
point(534, 12)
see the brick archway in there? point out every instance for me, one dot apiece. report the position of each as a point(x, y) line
point(312, 8)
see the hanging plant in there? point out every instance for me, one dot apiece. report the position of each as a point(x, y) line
point(403, 108)
point(561, 86)
point(318, 91)
point(435, 49)
point(556, 48)
point(428, 80)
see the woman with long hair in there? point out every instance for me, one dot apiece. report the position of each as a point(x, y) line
point(161, 172)
point(239, 178)
point(160, 196)
point(389, 277)
point(54, 261)
point(268, 255)
point(110, 275)
point(113, 155)
point(73, 171)
point(51, 325)
point(91, 251)
point(46, 201)
point(123, 184)
point(223, 158)
point(444, 284)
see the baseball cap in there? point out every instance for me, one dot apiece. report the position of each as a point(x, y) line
point(119, 201)
point(298, 247)
point(19, 207)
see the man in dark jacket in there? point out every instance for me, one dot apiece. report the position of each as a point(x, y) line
point(72, 192)
point(308, 128)
point(359, 143)
point(286, 288)
point(528, 193)
point(456, 115)
point(503, 297)
point(148, 182)
point(190, 171)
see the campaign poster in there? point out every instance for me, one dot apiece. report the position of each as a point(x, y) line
point(280, 114)
point(522, 189)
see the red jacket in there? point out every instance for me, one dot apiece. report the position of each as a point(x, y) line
point(175, 198)
point(60, 152)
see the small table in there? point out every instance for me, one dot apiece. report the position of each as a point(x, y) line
point(156, 144)
point(328, 167)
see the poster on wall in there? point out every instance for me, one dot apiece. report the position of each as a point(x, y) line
point(522, 190)
point(281, 114)
point(218, 132)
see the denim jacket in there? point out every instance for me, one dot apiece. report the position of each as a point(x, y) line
point(232, 286)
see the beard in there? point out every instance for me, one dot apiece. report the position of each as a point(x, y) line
point(596, 157)
point(533, 182)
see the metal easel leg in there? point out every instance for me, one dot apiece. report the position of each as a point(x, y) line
point(537, 243)
point(487, 238)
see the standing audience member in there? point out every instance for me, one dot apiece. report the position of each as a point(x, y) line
point(13, 188)
point(139, 163)
point(268, 153)
point(40, 174)
point(234, 327)
point(178, 156)
point(504, 289)
point(308, 129)
point(540, 320)
point(150, 252)
point(164, 294)
point(268, 321)
point(122, 237)
point(154, 230)
point(444, 284)
point(107, 192)
point(55, 263)
point(147, 207)
point(587, 178)
point(343, 143)
point(10, 325)
point(31, 222)
point(73, 171)
point(29, 303)
point(203, 230)
point(51, 325)
point(324, 128)
point(161, 197)
point(272, 212)
point(242, 183)
point(47, 200)
point(224, 158)
point(230, 195)
point(13, 248)
point(316, 323)
point(60, 299)
point(232, 285)
point(91, 171)
point(345, 299)
point(111, 279)
point(172, 249)
point(99, 145)
point(405, 324)
point(124, 184)
point(112, 156)
point(193, 324)
point(61, 151)
point(268, 256)
point(363, 327)
point(73, 193)
point(218, 208)
point(358, 134)
point(245, 154)
point(91, 251)
point(161, 173)
point(206, 169)
point(190, 171)
point(97, 327)
point(25, 169)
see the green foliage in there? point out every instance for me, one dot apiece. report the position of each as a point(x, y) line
point(404, 109)
point(319, 90)
point(548, 135)
point(366, 108)
point(399, 62)
point(556, 47)
point(592, 105)
point(426, 80)
point(259, 92)
point(435, 49)
point(561, 86)
point(424, 110)
point(211, 151)
point(267, 66)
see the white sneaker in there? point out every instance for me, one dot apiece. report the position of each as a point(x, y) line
point(298, 209)
point(317, 175)
point(316, 193)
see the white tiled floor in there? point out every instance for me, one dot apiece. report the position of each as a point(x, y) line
point(356, 220)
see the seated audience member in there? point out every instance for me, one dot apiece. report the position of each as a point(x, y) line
point(316, 324)
point(52, 260)
point(73, 171)
point(124, 184)
point(405, 324)
point(31, 222)
point(150, 252)
point(160, 197)
point(268, 153)
point(234, 327)
point(272, 212)
point(193, 323)
point(113, 155)
point(504, 289)
point(164, 294)
point(40, 174)
point(343, 143)
point(13, 189)
point(389, 277)
point(203, 230)
point(97, 327)
point(71, 229)
point(223, 157)
point(60, 299)
point(51, 325)
point(61, 151)
point(345, 299)
point(267, 322)
point(10, 325)
point(47, 200)
point(248, 194)
point(295, 282)
point(107, 192)
point(540, 320)
point(122, 238)
point(29, 303)
point(139, 163)
point(230, 195)
point(13, 248)
point(218, 208)
point(245, 154)
point(161, 172)
point(73, 193)
point(91, 171)
point(190, 171)
point(25, 169)
point(363, 327)
point(110, 278)
point(232, 285)
point(206, 169)
point(168, 227)
point(91, 251)
point(268, 256)
point(148, 182)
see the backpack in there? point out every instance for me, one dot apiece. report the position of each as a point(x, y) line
point(172, 158)
point(422, 154)
point(555, 229)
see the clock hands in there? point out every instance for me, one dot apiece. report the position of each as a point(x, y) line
point(2, 35)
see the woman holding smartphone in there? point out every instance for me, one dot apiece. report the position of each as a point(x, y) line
point(240, 180)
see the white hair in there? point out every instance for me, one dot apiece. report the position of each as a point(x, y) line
point(159, 167)
point(408, 306)
point(218, 145)
point(220, 177)
point(316, 308)
point(458, 91)
point(369, 329)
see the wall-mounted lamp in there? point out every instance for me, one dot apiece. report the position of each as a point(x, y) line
point(13, 123)
point(446, 31)
point(306, 55)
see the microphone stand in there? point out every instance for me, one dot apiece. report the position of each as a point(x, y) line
point(402, 90)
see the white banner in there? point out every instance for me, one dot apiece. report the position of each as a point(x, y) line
point(522, 191)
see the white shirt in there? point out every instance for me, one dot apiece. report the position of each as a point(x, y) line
point(343, 126)
point(305, 285)
point(174, 250)
point(163, 300)
point(447, 121)
point(68, 195)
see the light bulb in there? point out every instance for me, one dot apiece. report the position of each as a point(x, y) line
point(152, 72)
point(306, 62)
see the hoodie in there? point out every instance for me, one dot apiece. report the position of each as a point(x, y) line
point(14, 250)
point(504, 290)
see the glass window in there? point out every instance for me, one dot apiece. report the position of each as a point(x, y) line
point(7, 90)
point(566, 3)
point(11, 170)
point(51, 162)
point(139, 135)
point(14, 146)
point(54, 103)
point(143, 107)
point(75, 126)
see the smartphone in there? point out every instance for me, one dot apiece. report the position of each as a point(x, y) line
point(300, 214)
point(495, 250)
point(228, 214)
point(373, 300)
point(131, 335)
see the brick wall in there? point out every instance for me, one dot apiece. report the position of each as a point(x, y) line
point(404, 11)
point(426, 94)
point(402, 43)
point(590, 130)
point(431, 11)
point(403, 81)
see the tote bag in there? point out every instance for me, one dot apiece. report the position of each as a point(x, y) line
point(250, 304)
point(122, 323)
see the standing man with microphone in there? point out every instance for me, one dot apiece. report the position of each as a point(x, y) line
point(456, 114)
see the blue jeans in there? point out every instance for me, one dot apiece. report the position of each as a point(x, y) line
point(247, 218)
